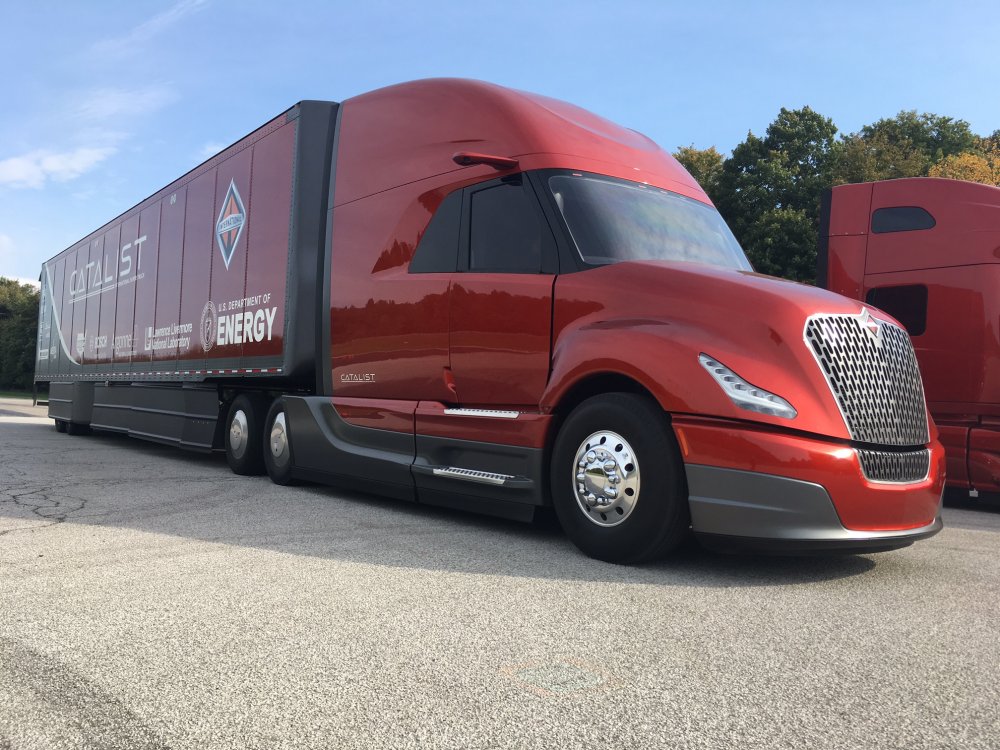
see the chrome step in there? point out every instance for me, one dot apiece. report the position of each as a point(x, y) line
point(489, 413)
point(471, 475)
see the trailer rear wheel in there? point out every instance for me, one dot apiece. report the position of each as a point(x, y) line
point(244, 435)
point(60, 425)
point(75, 428)
point(277, 446)
point(618, 482)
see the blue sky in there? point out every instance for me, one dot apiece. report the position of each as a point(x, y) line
point(106, 102)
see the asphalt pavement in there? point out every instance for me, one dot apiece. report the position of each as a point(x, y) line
point(149, 598)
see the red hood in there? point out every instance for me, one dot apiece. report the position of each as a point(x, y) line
point(653, 319)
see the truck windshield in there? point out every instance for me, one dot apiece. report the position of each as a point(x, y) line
point(614, 220)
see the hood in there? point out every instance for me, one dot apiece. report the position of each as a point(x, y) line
point(657, 317)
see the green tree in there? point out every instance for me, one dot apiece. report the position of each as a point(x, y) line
point(18, 331)
point(907, 145)
point(774, 184)
point(705, 165)
point(934, 136)
point(877, 157)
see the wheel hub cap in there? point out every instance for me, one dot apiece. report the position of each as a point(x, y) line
point(279, 438)
point(606, 478)
point(238, 433)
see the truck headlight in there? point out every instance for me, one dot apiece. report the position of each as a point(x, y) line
point(745, 395)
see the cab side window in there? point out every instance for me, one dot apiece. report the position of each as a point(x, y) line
point(505, 230)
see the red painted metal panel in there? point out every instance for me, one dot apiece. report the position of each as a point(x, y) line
point(92, 308)
point(651, 320)
point(146, 258)
point(168, 331)
point(389, 328)
point(846, 265)
point(380, 150)
point(267, 240)
point(500, 337)
point(955, 440)
point(966, 231)
point(529, 429)
point(380, 414)
point(984, 459)
point(229, 259)
point(851, 204)
point(125, 344)
point(196, 273)
point(861, 505)
point(110, 242)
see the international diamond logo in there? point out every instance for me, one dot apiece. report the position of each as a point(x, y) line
point(872, 326)
point(229, 227)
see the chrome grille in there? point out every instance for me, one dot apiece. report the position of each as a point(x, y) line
point(872, 371)
point(895, 466)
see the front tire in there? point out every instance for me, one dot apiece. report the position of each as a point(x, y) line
point(244, 437)
point(618, 482)
point(277, 447)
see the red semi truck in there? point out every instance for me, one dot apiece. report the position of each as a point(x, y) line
point(451, 292)
point(927, 251)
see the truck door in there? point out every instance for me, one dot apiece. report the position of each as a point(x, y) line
point(501, 299)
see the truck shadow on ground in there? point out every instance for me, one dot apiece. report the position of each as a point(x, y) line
point(195, 496)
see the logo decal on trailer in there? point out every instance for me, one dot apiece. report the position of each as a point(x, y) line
point(209, 323)
point(232, 219)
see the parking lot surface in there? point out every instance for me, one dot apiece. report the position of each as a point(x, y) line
point(151, 599)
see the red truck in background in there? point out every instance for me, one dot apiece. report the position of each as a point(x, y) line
point(927, 251)
point(454, 293)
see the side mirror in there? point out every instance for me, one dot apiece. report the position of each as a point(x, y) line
point(468, 158)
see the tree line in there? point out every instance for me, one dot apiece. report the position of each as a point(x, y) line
point(18, 331)
point(769, 189)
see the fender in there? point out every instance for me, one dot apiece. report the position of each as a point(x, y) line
point(662, 356)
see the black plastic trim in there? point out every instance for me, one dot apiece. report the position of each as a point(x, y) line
point(307, 248)
point(744, 545)
point(526, 465)
point(324, 444)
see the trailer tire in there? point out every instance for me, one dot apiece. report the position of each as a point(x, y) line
point(277, 448)
point(60, 425)
point(599, 453)
point(75, 428)
point(244, 436)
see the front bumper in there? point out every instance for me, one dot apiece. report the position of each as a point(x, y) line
point(751, 488)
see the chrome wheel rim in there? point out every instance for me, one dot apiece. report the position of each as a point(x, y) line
point(278, 440)
point(238, 430)
point(606, 478)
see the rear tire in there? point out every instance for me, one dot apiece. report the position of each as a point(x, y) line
point(60, 425)
point(244, 436)
point(607, 444)
point(74, 428)
point(277, 448)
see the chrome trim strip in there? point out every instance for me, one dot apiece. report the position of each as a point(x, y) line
point(489, 413)
point(471, 475)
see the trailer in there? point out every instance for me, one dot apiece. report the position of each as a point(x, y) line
point(927, 251)
point(454, 293)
